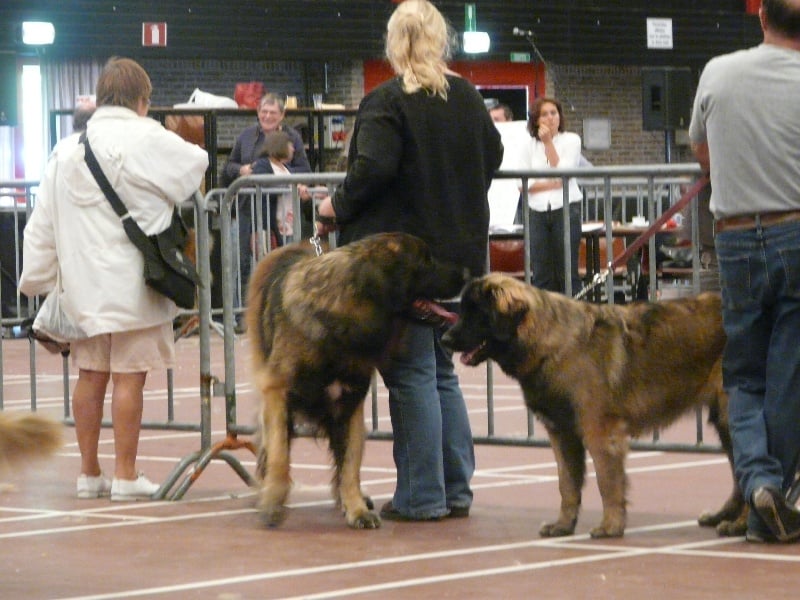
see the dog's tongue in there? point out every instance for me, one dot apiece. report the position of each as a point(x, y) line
point(430, 312)
point(466, 357)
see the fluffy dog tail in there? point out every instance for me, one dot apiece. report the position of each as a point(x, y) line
point(27, 436)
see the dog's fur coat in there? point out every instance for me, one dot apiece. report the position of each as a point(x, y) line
point(598, 374)
point(25, 437)
point(318, 327)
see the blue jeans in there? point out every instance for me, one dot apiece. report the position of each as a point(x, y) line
point(547, 248)
point(433, 449)
point(760, 277)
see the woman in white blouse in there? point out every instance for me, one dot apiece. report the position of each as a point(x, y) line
point(550, 147)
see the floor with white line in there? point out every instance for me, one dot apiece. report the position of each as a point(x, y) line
point(211, 544)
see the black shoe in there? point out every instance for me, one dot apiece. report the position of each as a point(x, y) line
point(458, 512)
point(782, 518)
point(390, 513)
point(760, 537)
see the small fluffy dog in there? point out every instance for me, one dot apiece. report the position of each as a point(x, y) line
point(597, 374)
point(318, 327)
point(25, 437)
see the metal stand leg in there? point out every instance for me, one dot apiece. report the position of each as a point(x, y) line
point(201, 460)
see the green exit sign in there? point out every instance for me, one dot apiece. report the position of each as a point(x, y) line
point(520, 57)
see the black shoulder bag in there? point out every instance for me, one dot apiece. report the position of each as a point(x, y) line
point(166, 269)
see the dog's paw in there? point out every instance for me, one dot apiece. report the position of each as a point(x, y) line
point(337, 501)
point(364, 520)
point(731, 517)
point(709, 519)
point(273, 516)
point(556, 529)
point(712, 519)
point(735, 528)
point(607, 532)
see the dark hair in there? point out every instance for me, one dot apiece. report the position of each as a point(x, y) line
point(536, 109)
point(783, 16)
point(509, 115)
point(123, 82)
point(276, 145)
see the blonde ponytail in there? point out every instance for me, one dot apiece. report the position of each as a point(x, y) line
point(418, 43)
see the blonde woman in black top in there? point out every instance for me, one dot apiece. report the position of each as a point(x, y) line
point(422, 156)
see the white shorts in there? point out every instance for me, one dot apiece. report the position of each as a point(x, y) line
point(136, 351)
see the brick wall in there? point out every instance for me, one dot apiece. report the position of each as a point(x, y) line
point(593, 91)
point(614, 93)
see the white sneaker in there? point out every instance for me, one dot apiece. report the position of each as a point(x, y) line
point(93, 487)
point(125, 490)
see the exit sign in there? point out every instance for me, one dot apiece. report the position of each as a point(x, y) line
point(520, 57)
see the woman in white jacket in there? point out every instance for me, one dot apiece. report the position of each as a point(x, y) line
point(74, 229)
point(550, 146)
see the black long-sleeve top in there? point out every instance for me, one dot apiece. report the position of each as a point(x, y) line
point(422, 165)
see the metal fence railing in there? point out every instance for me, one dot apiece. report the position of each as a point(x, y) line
point(611, 194)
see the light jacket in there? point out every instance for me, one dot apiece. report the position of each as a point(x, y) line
point(73, 226)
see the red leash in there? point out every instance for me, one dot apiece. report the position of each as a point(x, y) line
point(622, 259)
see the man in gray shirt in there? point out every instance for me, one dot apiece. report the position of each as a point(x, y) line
point(745, 129)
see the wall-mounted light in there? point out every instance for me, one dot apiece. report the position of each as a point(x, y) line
point(38, 33)
point(475, 42)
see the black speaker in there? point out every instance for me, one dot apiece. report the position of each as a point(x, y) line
point(666, 98)
point(8, 89)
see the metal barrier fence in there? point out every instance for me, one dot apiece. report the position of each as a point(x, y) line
point(20, 308)
point(215, 211)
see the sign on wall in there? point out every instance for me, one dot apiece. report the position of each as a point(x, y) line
point(154, 34)
point(659, 34)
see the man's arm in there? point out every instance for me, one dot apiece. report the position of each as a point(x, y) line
point(701, 153)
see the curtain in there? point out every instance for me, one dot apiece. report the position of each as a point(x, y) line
point(64, 80)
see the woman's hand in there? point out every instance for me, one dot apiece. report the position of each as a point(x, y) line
point(545, 134)
point(328, 215)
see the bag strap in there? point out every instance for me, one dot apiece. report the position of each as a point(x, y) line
point(139, 238)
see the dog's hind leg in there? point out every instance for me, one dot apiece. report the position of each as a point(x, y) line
point(607, 443)
point(347, 446)
point(277, 482)
point(731, 519)
point(570, 457)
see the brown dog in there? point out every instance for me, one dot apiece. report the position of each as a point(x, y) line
point(319, 326)
point(25, 437)
point(596, 374)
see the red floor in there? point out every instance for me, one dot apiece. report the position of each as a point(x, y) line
point(211, 544)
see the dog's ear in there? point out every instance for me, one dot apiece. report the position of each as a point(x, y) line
point(506, 311)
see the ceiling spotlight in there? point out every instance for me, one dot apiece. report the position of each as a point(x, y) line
point(38, 33)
